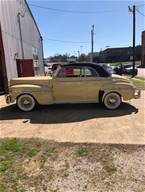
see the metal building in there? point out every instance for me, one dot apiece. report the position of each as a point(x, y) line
point(21, 44)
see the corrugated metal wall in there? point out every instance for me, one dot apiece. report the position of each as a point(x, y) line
point(9, 10)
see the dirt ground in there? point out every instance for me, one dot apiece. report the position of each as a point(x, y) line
point(77, 123)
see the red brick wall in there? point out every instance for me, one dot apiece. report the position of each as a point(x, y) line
point(3, 64)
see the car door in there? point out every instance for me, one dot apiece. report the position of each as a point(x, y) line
point(91, 83)
point(67, 85)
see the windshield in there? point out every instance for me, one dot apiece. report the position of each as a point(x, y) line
point(108, 69)
point(56, 71)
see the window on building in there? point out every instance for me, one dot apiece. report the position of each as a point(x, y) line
point(35, 53)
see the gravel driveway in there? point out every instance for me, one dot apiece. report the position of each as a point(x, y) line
point(77, 123)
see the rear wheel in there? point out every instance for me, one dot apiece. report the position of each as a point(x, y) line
point(112, 100)
point(26, 102)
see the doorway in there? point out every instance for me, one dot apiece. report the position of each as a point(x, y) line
point(1, 77)
point(3, 72)
point(25, 67)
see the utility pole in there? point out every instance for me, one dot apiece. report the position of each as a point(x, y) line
point(133, 10)
point(92, 43)
point(134, 34)
point(81, 47)
point(78, 55)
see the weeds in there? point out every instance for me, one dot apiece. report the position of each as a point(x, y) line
point(82, 152)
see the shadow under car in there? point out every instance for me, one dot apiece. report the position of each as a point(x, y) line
point(64, 113)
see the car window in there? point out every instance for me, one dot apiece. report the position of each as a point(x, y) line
point(54, 67)
point(90, 72)
point(61, 72)
point(77, 72)
point(102, 71)
point(108, 69)
point(70, 72)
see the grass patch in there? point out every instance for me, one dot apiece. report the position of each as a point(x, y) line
point(82, 151)
point(31, 152)
point(139, 83)
point(109, 167)
point(5, 165)
point(13, 145)
point(115, 64)
point(140, 78)
point(2, 188)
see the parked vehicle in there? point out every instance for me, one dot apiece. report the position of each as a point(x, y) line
point(107, 67)
point(125, 69)
point(72, 83)
point(55, 65)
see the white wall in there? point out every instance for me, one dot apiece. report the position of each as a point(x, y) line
point(9, 10)
point(141, 72)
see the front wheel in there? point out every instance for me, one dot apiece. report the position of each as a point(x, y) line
point(26, 102)
point(112, 100)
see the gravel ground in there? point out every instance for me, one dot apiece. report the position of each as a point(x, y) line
point(77, 123)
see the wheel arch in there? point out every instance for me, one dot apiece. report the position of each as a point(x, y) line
point(27, 94)
point(103, 93)
point(26, 108)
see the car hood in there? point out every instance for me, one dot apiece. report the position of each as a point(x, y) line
point(115, 76)
point(39, 80)
point(120, 79)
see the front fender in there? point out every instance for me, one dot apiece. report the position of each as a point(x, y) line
point(125, 90)
point(42, 94)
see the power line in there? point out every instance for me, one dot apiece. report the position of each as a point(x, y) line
point(140, 5)
point(64, 41)
point(140, 12)
point(14, 37)
point(73, 11)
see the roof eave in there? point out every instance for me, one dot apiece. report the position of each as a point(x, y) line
point(33, 17)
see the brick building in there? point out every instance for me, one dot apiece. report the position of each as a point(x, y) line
point(119, 54)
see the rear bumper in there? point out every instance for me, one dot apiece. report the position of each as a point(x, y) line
point(8, 99)
point(137, 94)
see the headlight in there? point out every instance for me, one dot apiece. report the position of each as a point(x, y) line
point(137, 94)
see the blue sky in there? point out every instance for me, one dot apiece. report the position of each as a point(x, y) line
point(113, 25)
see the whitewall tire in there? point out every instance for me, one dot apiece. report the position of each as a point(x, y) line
point(26, 102)
point(112, 100)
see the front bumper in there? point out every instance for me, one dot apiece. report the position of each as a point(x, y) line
point(137, 94)
point(8, 99)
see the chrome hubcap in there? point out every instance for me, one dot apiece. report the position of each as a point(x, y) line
point(112, 100)
point(26, 102)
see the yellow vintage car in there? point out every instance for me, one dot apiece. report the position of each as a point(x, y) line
point(72, 83)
